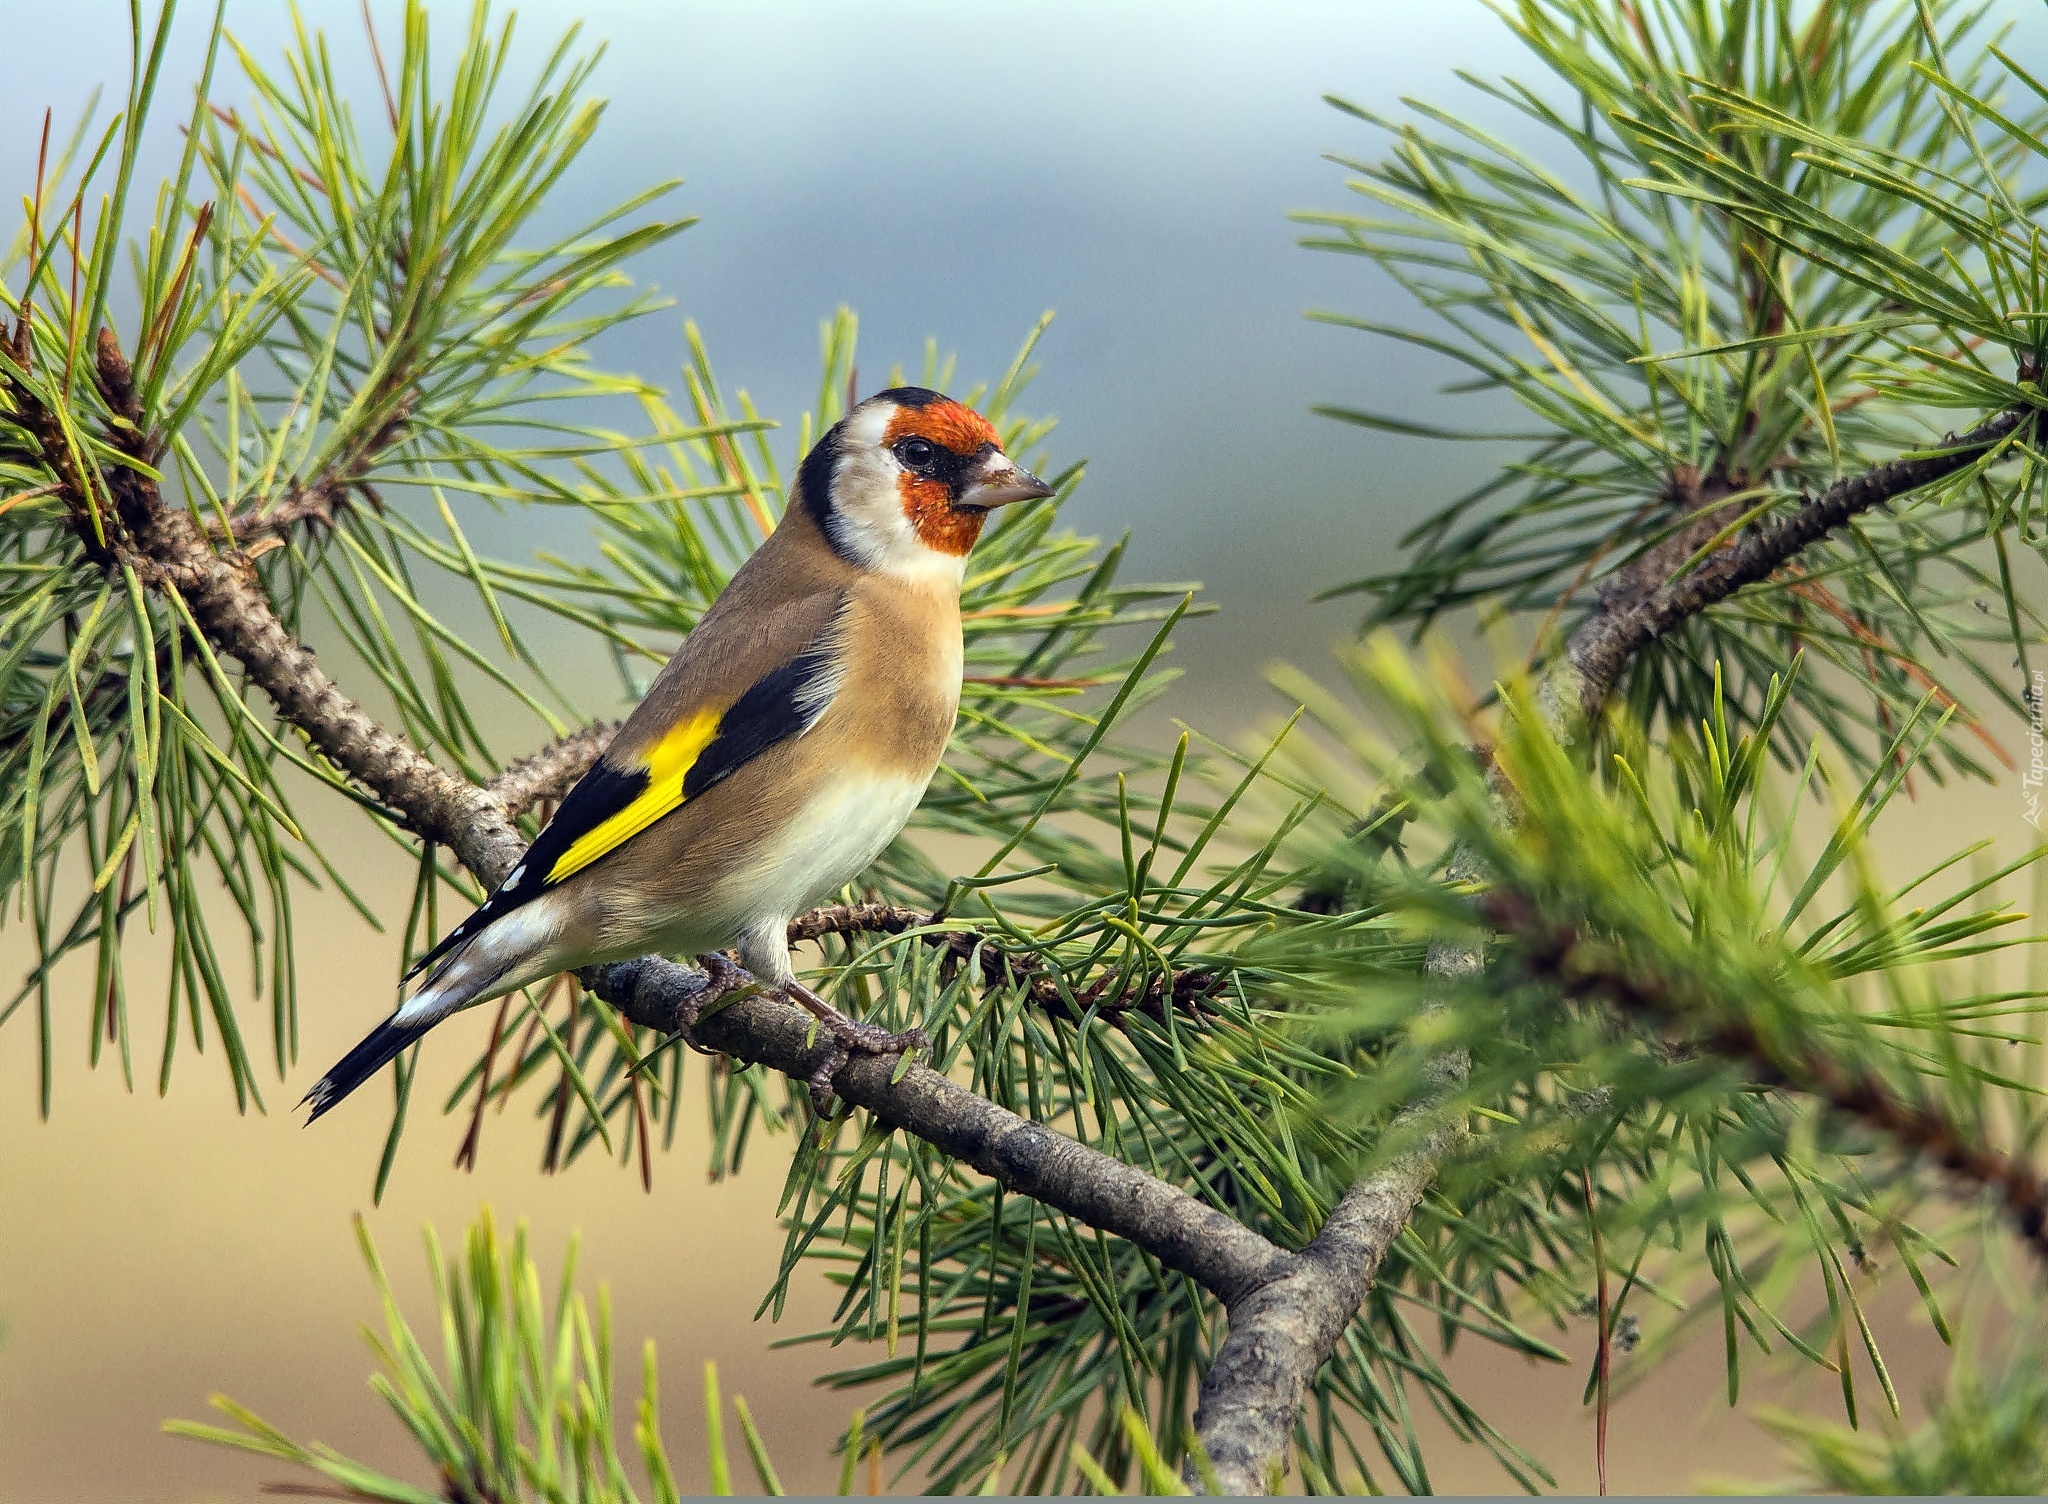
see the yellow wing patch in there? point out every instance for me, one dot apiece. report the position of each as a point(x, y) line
point(667, 765)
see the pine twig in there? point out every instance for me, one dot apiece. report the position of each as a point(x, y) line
point(1623, 626)
point(1583, 967)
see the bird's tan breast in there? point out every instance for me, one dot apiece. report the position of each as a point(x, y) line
point(895, 706)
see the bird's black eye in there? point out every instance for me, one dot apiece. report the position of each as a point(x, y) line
point(917, 454)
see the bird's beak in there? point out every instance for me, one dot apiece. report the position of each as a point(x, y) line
point(998, 480)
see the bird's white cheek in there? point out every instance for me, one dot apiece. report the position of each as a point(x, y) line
point(870, 525)
point(884, 540)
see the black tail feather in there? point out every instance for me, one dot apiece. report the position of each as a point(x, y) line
point(379, 1047)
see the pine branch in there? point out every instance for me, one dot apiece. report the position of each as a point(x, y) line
point(1629, 621)
point(1189, 990)
point(1584, 967)
point(1219, 1252)
point(218, 591)
point(228, 608)
point(855, 918)
point(221, 594)
point(1282, 1332)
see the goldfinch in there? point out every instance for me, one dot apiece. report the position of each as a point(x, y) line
point(777, 753)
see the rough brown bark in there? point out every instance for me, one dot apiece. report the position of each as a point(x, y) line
point(1283, 1331)
point(1286, 1327)
point(1603, 644)
point(228, 606)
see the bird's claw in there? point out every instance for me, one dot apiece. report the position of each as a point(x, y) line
point(850, 1037)
point(723, 978)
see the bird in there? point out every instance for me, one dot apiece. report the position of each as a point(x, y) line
point(778, 751)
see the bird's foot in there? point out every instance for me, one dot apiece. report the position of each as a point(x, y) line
point(725, 978)
point(850, 1037)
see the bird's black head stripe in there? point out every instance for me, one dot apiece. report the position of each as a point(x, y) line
point(814, 483)
point(909, 396)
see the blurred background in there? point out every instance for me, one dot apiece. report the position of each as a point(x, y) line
point(951, 170)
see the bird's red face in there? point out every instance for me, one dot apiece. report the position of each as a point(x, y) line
point(935, 446)
point(907, 480)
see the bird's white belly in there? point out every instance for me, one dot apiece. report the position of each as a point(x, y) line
point(840, 830)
